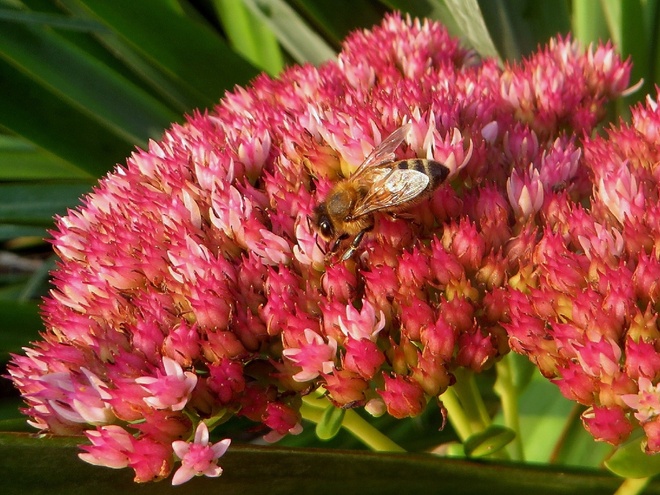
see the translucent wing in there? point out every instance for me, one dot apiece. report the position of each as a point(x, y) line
point(384, 152)
point(390, 188)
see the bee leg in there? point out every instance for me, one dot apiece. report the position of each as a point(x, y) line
point(337, 243)
point(356, 242)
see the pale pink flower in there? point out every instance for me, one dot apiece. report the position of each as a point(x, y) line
point(170, 390)
point(199, 457)
point(314, 356)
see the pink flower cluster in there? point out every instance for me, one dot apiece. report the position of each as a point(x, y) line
point(192, 286)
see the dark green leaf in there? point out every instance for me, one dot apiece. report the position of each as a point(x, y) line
point(631, 461)
point(46, 466)
point(20, 159)
point(334, 20)
point(57, 127)
point(250, 36)
point(295, 35)
point(187, 51)
point(469, 19)
point(430, 9)
point(492, 439)
point(20, 323)
point(519, 26)
point(330, 423)
point(35, 204)
point(70, 74)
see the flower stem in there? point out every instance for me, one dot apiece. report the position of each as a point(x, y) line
point(457, 417)
point(368, 434)
point(632, 486)
point(312, 410)
point(508, 392)
point(470, 399)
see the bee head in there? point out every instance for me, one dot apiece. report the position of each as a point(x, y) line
point(323, 223)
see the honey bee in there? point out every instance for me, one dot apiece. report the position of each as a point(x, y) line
point(380, 183)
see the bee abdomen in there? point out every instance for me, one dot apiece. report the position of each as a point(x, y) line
point(435, 171)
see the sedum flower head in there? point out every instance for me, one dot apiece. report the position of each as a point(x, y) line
point(192, 286)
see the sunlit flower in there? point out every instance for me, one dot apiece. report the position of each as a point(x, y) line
point(192, 285)
point(199, 457)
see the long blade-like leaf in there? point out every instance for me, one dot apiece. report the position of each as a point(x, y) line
point(298, 38)
point(46, 466)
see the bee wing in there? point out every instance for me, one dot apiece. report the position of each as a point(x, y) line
point(384, 152)
point(390, 188)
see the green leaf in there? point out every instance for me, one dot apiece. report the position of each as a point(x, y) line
point(330, 422)
point(20, 323)
point(489, 441)
point(11, 231)
point(36, 203)
point(70, 74)
point(50, 465)
point(189, 52)
point(470, 21)
point(295, 35)
point(57, 127)
point(250, 36)
point(630, 461)
point(20, 159)
point(519, 26)
point(334, 20)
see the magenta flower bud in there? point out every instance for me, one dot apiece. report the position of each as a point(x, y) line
point(475, 351)
point(403, 397)
point(559, 164)
point(182, 344)
point(493, 270)
point(607, 424)
point(381, 287)
point(226, 380)
point(362, 357)
point(647, 279)
point(620, 192)
point(575, 384)
point(607, 73)
point(445, 266)
point(151, 460)
point(465, 243)
point(458, 313)
point(171, 389)
point(491, 210)
point(439, 339)
point(164, 426)
point(346, 388)
point(652, 431)
point(220, 345)
point(521, 145)
point(283, 419)
point(432, 375)
point(415, 318)
point(339, 283)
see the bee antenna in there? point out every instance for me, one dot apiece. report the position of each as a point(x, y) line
point(316, 235)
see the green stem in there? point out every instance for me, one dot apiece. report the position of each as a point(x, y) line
point(457, 417)
point(312, 410)
point(470, 398)
point(508, 392)
point(368, 434)
point(632, 486)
